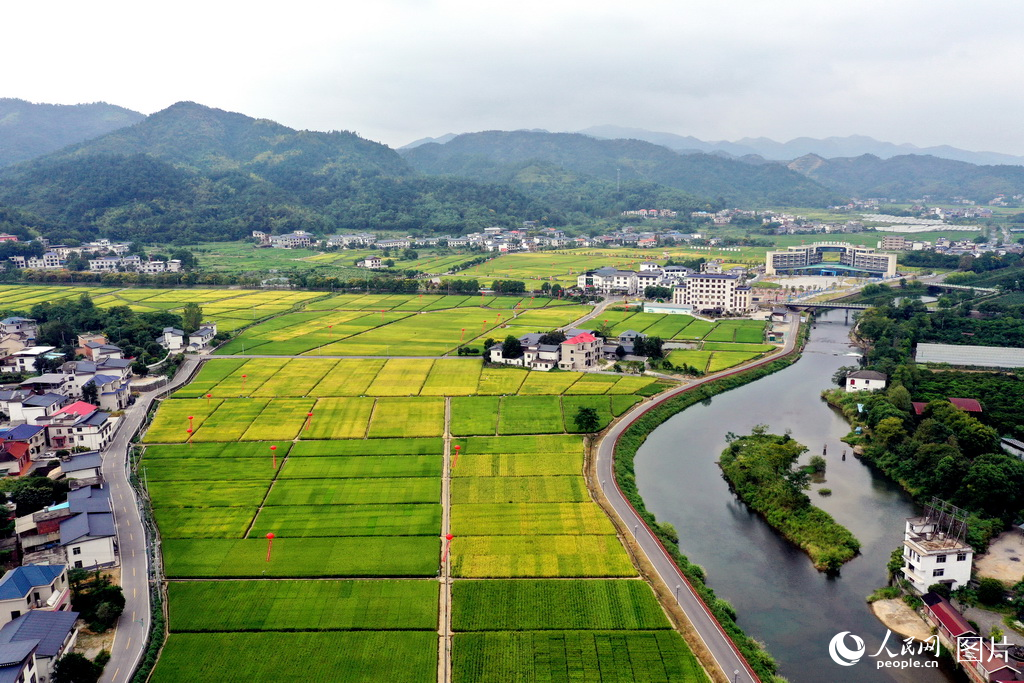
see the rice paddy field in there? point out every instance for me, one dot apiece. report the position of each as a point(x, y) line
point(352, 492)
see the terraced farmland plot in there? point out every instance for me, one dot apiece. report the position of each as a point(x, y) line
point(361, 491)
point(281, 419)
point(303, 557)
point(348, 378)
point(586, 656)
point(548, 318)
point(545, 489)
point(533, 443)
point(630, 385)
point(527, 519)
point(212, 374)
point(539, 557)
point(572, 404)
point(500, 381)
point(331, 605)
point(530, 415)
point(546, 383)
point(209, 469)
point(695, 359)
point(296, 378)
point(406, 417)
point(339, 418)
point(727, 359)
point(524, 605)
point(432, 333)
point(698, 329)
point(346, 466)
point(232, 419)
point(621, 404)
point(749, 348)
point(517, 464)
point(368, 447)
point(224, 522)
point(302, 521)
point(475, 415)
point(210, 494)
point(199, 453)
point(256, 371)
point(400, 377)
point(669, 327)
point(452, 377)
point(349, 656)
point(738, 331)
point(171, 421)
point(591, 383)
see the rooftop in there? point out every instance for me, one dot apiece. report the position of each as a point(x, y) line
point(80, 408)
point(583, 338)
point(86, 525)
point(868, 374)
point(49, 629)
point(18, 582)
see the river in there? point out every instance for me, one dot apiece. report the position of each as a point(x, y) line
point(779, 596)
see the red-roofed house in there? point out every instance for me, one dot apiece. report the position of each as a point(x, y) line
point(580, 352)
point(79, 408)
point(949, 624)
point(969, 405)
point(919, 407)
point(14, 458)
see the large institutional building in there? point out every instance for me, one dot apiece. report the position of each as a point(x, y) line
point(713, 293)
point(809, 259)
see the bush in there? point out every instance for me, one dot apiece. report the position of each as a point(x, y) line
point(887, 593)
point(991, 592)
point(825, 492)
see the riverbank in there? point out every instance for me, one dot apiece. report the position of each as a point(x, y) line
point(760, 470)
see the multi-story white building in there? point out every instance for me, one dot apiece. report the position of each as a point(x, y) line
point(810, 259)
point(608, 280)
point(580, 352)
point(713, 293)
point(934, 550)
point(865, 380)
point(291, 240)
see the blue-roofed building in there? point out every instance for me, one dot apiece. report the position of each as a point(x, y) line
point(34, 586)
point(18, 662)
point(88, 539)
point(53, 634)
point(33, 436)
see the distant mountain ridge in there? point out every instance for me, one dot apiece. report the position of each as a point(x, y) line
point(29, 130)
point(723, 180)
point(828, 148)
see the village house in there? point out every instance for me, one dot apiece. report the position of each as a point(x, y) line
point(50, 634)
point(34, 587)
point(38, 533)
point(14, 459)
point(202, 337)
point(865, 380)
point(88, 539)
point(79, 424)
point(713, 293)
point(83, 466)
point(293, 240)
point(24, 361)
point(580, 352)
point(172, 339)
point(934, 552)
point(371, 262)
point(32, 437)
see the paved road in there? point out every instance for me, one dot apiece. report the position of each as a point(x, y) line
point(134, 623)
point(718, 643)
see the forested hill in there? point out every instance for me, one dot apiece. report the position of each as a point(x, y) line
point(911, 176)
point(30, 130)
point(192, 173)
point(727, 181)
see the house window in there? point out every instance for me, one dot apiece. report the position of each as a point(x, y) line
point(960, 557)
point(78, 564)
point(938, 572)
point(15, 614)
point(940, 558)
point(76, 551)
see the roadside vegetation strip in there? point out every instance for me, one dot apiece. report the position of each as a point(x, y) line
point(543, 489)
point(356, 491)
point(625, 450)
point(500, 380)
point(414, 446)
point(338, 418)
point(171, 422)
point(330, 605)
point(348, 378)
point(407, 417)
point(529, 605)
point(281, 419)
point(345, 466)
point(540, 557)
point(350, 656)
point(474, 415)
point(202, 522)
point(531, 415)
point(452, 377)
point(514, 519)
point(762, 470)
point(305, 521)
point(232, 420)
point(340, 556)
point(650, 656)
point(400, 377)
point(517, 464)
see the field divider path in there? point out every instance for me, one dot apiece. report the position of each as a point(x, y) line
point(266, 495)
point(373, 412)
point(444, 652)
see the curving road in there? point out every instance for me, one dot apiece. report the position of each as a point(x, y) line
point(134, 624)
point(728, 658)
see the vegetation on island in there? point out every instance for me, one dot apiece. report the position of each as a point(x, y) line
point(762, 469)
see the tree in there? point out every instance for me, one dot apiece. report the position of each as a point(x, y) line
point(991, 592)
point(839, 376)
point(191, 317)
point(410, 254)
point(90, 393)
point(553, 337)
point(32, 494)
point(76, 668)
point(587, 420)
point(511, 348)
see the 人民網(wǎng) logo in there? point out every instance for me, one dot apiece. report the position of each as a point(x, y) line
point(842, 655)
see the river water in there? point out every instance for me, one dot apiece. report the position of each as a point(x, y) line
point(779, 596)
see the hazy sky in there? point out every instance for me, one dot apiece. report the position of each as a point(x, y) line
point(921, 71)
